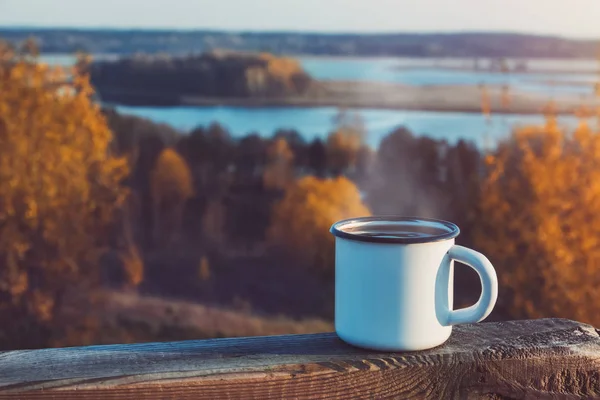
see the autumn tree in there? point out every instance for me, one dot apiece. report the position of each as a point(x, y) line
point(132, 262)
point(298, 147)
point(301, 220)
point(539, 221)
point(172, 186)
point(59, 193)
point(345, 142)
point(279, 171)
point(204, 269)
point(132, 265)
point(276, 76)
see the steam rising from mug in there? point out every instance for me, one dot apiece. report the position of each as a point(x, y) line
point(396, 181)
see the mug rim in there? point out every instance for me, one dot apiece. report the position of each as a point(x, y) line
point(453, 231)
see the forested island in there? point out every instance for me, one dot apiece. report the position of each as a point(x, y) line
point(475, 44)
point(218, 74)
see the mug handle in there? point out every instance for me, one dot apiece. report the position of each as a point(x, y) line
point(489, 286)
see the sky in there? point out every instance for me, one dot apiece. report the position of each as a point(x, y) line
point(572, 18)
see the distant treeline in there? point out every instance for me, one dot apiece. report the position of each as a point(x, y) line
point(484, 44)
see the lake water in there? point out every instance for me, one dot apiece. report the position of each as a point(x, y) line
point(317, 122)
point(415, 72)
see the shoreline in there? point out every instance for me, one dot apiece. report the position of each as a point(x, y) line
point(530, 71)
point(365, 95)
point(341, 56)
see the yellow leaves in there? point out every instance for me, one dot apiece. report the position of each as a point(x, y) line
point(19, 285)
point(272, 72)
point(346, 140)
point(17, 72)
point(486, 108)
point(204, 269)
point(171, 176)
point(59, 186)
point(278, 172)
point(172, 186)
point(133, 265)
point(279, 151)
point(489, 159)
point(283, 68)
point(344, 144)
point(540, 212)
point(301, 220)
point(41, 305)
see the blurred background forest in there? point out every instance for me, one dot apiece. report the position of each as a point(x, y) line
point(176, 185)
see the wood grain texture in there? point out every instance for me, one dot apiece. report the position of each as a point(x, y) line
point(509, 360)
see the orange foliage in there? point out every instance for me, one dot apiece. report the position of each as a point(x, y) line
point(486, 107)
point(540, 221)
point(172, 186)
point(281, 68)
point(204, 269)
point(279, 170)
point(301, 221)
point(133, 265)
point(171, 177)
point(344, 144)
point(59, 186)
point(276, 76)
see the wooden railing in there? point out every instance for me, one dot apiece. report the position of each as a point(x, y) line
point(520, 359)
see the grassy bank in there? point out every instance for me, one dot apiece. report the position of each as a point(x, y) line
point(450, 98)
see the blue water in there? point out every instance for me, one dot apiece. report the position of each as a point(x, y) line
point(318, 122)
point(387, 70)
point(67, 60)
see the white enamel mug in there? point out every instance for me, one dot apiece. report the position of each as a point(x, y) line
point(394, 282)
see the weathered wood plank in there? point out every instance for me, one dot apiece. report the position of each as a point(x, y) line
point(519, 359)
